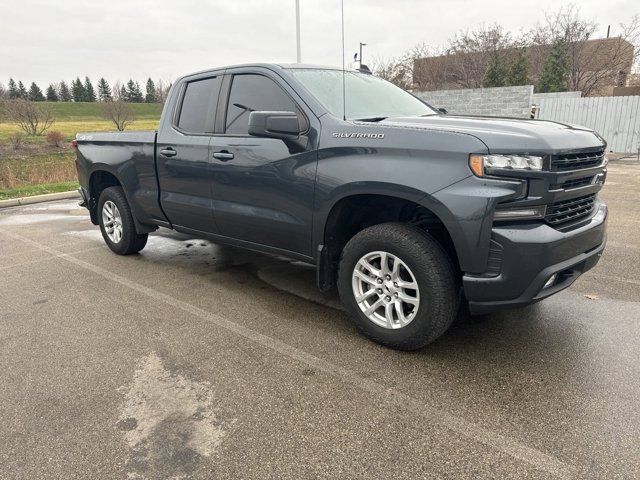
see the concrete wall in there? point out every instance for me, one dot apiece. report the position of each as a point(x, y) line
point(500, 101)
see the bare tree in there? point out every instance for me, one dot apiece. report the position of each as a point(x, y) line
point(31, 118)
point(119, 112)
point(115, 91)
point(593, 64)
point(405, 70)
point(471, 53)
point(462, 63)
point(162, 90)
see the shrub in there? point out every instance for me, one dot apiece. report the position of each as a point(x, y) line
point(118, 112)
point(16, 140)
point(31, 118)
point(55, 138)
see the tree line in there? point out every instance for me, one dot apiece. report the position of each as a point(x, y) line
point(84, 91)
point(557, 54)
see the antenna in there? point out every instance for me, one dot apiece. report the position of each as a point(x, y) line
point(344, 88)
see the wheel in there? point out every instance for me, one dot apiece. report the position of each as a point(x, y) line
point(116, 223)
point(398, 285)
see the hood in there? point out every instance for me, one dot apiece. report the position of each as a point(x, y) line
point(508, 134)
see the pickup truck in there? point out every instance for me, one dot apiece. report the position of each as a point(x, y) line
point(408, 211)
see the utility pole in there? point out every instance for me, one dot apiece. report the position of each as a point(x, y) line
point(298, 51)
point(361, 45)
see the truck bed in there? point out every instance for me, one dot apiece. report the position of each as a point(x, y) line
point(130, 157)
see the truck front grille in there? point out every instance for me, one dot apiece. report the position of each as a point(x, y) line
point(570, 210)
point(576, 161)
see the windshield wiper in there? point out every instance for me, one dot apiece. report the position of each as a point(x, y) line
point(370, 119)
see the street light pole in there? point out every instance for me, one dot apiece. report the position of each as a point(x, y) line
point(298, 51)
point(361, 45)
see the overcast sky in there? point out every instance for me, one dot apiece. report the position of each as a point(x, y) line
point(47, 41)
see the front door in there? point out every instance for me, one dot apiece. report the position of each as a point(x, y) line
point(184, 163)
point(262, 187)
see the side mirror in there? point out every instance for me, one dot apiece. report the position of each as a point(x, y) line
point(283, 125)
point(443, 110)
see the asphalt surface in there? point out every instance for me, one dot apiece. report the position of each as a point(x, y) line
point(192, 360)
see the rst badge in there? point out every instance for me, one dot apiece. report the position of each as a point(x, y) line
point(378, 136)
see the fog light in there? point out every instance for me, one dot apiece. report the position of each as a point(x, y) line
point(551, 281)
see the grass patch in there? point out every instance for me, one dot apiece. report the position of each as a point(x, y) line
point(71, 111)
point(47, 168)
point(69, 128)
point(38, 167)
point(71, 118)
point(31, 190)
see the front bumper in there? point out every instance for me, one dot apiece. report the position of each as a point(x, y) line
point(530, 255)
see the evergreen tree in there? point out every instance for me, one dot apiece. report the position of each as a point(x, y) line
point(134, 94)
point(78, 91)
point(496, 75)
point(519, 69)
point(104, 91)
point(13, 89)
point(89, 91)
point(124, 95)
point(22, 92)
point(64, 93)
point(52, 95)
point(555, 69)
point(35, 93)
point(151, 92)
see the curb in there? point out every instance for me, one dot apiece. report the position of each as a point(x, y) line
point(48, 197)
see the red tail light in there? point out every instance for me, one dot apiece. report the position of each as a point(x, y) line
point(74, 143)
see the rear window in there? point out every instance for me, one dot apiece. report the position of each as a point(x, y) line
point(197, 113)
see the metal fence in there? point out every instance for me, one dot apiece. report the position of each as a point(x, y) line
point(617, 119)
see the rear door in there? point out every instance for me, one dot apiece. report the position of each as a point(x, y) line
point(183, 161)
point(262, 187)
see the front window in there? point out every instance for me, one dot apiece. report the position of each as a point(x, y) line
point(367, 97)
point(250, 92)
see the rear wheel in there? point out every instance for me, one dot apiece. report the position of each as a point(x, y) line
point(399, 285)
point(116, 223)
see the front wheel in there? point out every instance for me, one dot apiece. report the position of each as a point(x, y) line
point(116, 223)
point(399, 285)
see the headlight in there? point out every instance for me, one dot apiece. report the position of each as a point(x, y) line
point(480, 163)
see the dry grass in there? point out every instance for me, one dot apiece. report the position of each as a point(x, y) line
point(54, 167)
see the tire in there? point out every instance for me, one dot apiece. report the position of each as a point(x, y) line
point(128, 241)
point(422, 259)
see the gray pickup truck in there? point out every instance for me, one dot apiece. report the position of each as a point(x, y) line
point(408, 211)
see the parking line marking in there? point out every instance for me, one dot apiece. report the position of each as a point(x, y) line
point(46, 259)
point(465, 428)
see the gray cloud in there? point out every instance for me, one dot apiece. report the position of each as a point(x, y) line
point(47, 41)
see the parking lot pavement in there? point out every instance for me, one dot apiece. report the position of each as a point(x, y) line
point(193, 360)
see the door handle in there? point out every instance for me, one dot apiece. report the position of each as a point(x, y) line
point(223, 156)
point(168, 152)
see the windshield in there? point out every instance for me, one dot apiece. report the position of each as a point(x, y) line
point(368, 97)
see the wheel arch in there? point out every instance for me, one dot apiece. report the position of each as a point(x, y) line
point(102, 177)
point(352, 213)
